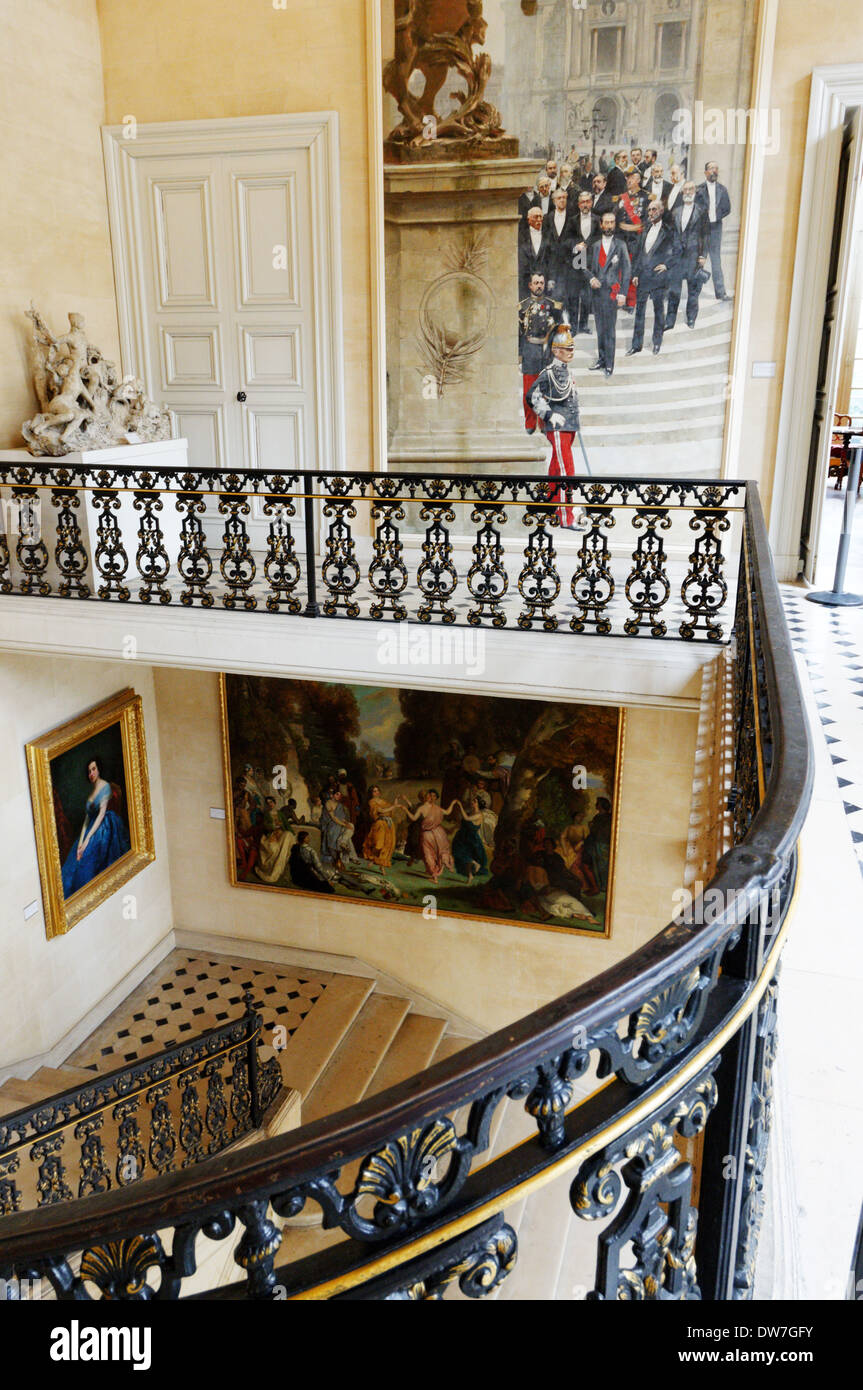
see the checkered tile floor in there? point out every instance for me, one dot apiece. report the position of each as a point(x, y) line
point(830, 643)
point(187, 994)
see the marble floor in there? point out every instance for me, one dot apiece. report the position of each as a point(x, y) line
point(819, 1073)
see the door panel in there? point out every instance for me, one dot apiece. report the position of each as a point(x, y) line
point(271, 356)
point(266, 241)
point(192, 357)
point(183, 218)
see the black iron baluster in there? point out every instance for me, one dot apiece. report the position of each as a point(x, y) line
point(592, 584)
point(69, 553)
point(111, 559)
point(312, 608)
point(95, 1173)
point(704, 590)
point(191, 1124)
point(657, 1222)
point(647, 585)
point(131, 1159)
point(281, 567)
point(539, 581)
point(253, 1028)
point(487, 578)
point(51, 1183)
point(237, 565)
point(437, 577)
point(216, 1112)
point(10, 1195)
point(30, 549)
point(257, 1249)
point(194, 562)
point(241, 1096)
point(163, 1138)
point(6, 585)
point(340, 571)
point(151, 556)
point(387, 574)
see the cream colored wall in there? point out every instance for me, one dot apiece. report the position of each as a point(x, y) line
point(53, 212)
point(174, 60)
point(487, 972)
point(806, 37)
point(46, 987)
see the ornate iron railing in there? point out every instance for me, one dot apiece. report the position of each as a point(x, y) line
point(682, 1032)
point(183, 1104)
point(442, 548)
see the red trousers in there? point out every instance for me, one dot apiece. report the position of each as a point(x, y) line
point(530, 420)
point(562, 465)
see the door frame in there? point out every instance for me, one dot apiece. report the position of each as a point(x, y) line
point(833, 90)
point(316, 131)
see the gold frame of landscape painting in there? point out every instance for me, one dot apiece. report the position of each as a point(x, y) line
point(114, 839)
point(347, 883)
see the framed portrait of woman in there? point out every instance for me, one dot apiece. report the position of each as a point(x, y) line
point(91, 808)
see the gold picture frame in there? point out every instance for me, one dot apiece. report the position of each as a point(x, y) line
point(237, 881)
point(119, 842)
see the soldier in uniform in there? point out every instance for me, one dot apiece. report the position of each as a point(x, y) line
point(555, 400)
point(538, 316)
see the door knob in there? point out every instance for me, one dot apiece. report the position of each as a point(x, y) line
point(241, 395)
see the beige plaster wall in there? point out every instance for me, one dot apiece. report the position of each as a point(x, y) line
point(488, 972)
point(46, 987)
point(177, 60)
point(806, 37)
point(54, 243)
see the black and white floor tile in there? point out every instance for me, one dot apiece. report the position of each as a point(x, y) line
point(829, 642)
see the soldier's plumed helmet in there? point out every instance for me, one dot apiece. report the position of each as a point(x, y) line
point(563, 337)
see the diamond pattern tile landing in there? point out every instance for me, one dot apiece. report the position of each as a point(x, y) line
point(187, 994)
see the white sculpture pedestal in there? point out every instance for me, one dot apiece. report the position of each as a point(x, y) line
point(166, 453)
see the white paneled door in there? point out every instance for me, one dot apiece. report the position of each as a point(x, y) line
point(225, 238)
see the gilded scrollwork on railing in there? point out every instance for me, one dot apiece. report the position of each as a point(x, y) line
point(31, 551)
point(705, 588)
point(478, 1272)
point(647, 585)
point(10, 1193)
point(340, 570)
point(437, 577)
point(281, 566)
point(119, 1267)
point(194, 562)
point(237, 564)
point(131, 1158)
point(548, 1091)
point(94, 1170)
point(487, 579)
point(539, 580)
point(656, 1221)
point(163, 1136)
point(388, 577)
point(757, 1139)
point(151, 557)
point(70, 556)
point(111, 559)
point(51, 1183)
point(592, 584)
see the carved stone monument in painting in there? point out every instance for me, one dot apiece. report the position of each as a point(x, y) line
point(83, 402)
point(452, 179)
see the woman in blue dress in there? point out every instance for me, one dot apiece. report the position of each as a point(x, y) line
point(103, 839)
point(468, 850)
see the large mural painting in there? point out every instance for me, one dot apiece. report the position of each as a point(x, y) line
point(468, 805)
point(563, 183)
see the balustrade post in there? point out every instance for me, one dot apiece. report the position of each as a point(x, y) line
point(312, 609)
point(252, 1054)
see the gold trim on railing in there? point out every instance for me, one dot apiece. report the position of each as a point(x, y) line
point(622, 1122)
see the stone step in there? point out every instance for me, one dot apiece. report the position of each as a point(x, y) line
point(311, 1047)
point(62, 1078)
point(349, 1072)
point(411, 1051)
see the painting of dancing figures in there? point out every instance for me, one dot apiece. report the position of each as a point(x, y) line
point(478, 806)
